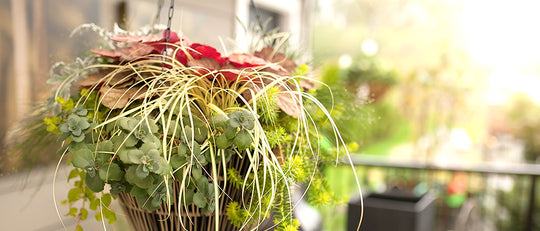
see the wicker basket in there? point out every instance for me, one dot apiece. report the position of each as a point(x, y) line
point(190, 217)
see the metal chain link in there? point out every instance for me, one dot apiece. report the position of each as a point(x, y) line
point(168, 30)
point(167, 33)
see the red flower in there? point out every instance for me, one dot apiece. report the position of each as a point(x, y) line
point(159, 45)
point(198, 51)
point(206, 51)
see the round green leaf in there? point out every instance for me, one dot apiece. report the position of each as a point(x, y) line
point(105, 146)
point(75, 194)
point(111, 172)
point(130, 155)
point(142, 171)
point(219, 120)
point(146, 147)
point(188, 197)
point(138, 192)
point(200, 134)
point(106, 199)
point(223, 142)
point(133, 178)
point(163, 166)
point(178, 161)
point(199, 200)
point(195, 148)
point(94, 183)
point(79, 138)
point(243, 139)
point(196, 173)
point(127, 123)
point(230, 132)
point(182, 148)
point(82, 158)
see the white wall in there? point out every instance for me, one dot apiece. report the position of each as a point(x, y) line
point(208, 21)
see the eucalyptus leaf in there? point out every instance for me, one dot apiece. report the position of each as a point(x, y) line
point(156, 201)
point(243, 139)
point(146, 147)
point(188, 197)
point(111, 172)
point(73, 147)
point(200, 134)
point(189, 133)
point(163, 166)
point(152, 139)
point(200, 200)
point(196, 122)
point(145, 203)
point(128, 124)
point(62, 137)
point(230, 132)
point(202, 185)
point(102, 158)
point(63, 128)
point(130, 155)
point(219, 120)
point(209, 207)
point(117, 188)
point(201, 159)
point(196, 173)
point(195, 148)
point(78, 138)
point(94, 183)
point(223, 142)
point(82, 158)
point(142, 171)
point(138, 192)
point(123, 140)
point(183, 148)
point(130, 141)
point(150, 125)
point(133, 178)
point(242, 118)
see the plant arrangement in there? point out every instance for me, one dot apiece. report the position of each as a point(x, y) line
point(178, 129)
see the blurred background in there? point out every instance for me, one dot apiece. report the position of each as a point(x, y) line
point(437, 99)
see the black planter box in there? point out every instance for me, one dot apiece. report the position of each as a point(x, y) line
point(394, 211)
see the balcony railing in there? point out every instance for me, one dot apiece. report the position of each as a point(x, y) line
point(498, 196)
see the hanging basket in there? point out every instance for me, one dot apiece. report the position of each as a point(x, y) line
point(190, 218)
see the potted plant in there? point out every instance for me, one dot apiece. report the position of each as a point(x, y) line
point(187, 138)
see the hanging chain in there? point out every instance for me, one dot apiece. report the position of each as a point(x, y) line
point(168, 30)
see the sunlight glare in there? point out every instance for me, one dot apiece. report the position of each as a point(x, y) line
point(502, 33)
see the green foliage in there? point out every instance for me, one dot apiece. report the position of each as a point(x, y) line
point(276, 135)
point(236, 215)
point(83, 192)
point(524, 123)
point(360, 123)
point(184, 128)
